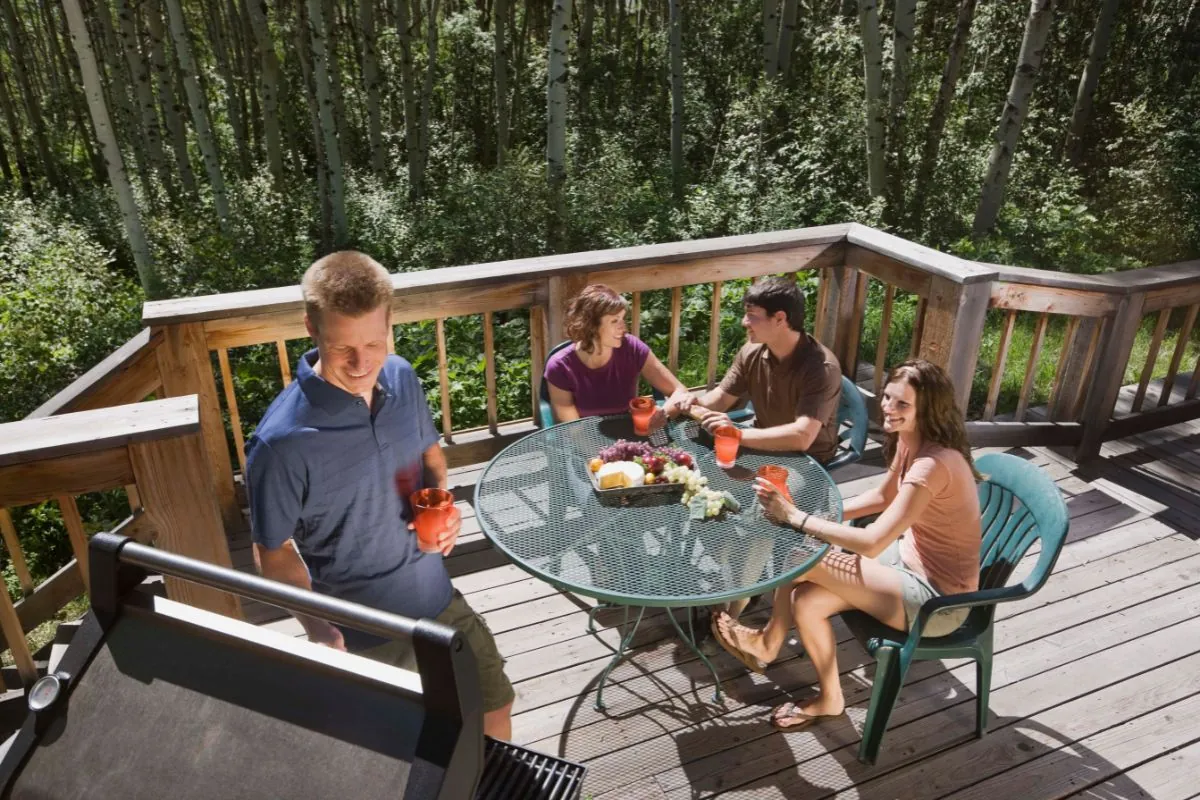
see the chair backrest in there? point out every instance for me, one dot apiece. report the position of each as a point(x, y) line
point(852, 426)
point(1019, 505)
point(544, 416)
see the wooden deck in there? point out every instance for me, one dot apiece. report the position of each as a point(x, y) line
point(1096, 687)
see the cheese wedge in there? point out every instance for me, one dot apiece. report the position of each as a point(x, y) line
point(620, 475)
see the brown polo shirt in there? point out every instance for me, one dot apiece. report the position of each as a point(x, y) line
point(808, 383)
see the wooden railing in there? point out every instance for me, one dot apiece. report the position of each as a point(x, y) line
point(154, 451)
point(950, 301)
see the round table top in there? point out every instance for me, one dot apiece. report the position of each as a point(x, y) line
point(536, 502)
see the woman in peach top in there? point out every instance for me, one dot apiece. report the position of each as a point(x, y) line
point(925, 542)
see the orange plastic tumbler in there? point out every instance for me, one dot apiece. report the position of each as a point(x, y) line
point(725, 445)
point(433, 510)
point(641, 409)
point(777, 476)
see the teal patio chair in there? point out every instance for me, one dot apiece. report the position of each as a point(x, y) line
point(1020, 505)
point(545, 415)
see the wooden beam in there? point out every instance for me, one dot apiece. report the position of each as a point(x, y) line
point(721, 268)
point(673, 346)
point(888, 270)
point(1174, 296)
point(235, 418)
point(36, 482)
point(120, 378)
point(926, 259)
point(918, 328)
point(1074, 367)
point(13, 543)
point(1064, 355)
point(560, 292)
point(15, 639)
point(1160, 328)
point(885, 329)
point(81, 432)
point(537, 353)
point(1023, 434)
point(285, 363)
point(852, 332)
point(77, 535)
point(635, 315)
point(714, 334)
point(479, 445)
point(1031, 367)
point(185, 367)
point(489, 369)
point(444, 381)
point(1050, 300)
point(952, 330)
point(176, 486)
point(1106, 383)
point(993, 395)
point(1181, 344)
point(1150, 420)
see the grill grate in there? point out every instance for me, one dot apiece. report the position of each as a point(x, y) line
point(511, 772)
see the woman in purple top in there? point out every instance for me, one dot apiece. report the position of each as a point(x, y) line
point(598, 373)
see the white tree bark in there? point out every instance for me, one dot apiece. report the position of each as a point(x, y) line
point(676, 47)
point(1008, 132)
point(270, 78)
point(370, 68)
point(905, 17)
point(204, 135)
point(431, 45)
point(787, 30)
point(556, 95)
point(1081, 117)
point(770, 38)
point(144, 97)
point(500, 71)
point(868, 18)
point(408, 87)
point(173, 113)
point(94, 89)
point(941, 112)
point(324, 90)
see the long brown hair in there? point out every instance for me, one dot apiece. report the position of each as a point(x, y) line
point(586, 311)
point(939, 419)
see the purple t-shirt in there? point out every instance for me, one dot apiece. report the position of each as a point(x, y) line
point(606, 390)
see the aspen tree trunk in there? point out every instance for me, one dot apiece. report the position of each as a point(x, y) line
point(329, 133)
point(1008, 132)
point(33, 109)
point(151, 137)
point(556, 94)
point(332, 40)
point(500, 70)
point(1081, 116)
point(304, 51)
point(150, 278)
point(770, 38)
point(204, 135)
point(676, 47)
point(868, 18)
point(431, 45)
point(233, 107)
point(905, 17)
point(70, 67)
point(14, 133)
point(940, 113)
point(370, 69)
point(270, 77)
point(173, 113)
point(787, 30)
point(408, 88)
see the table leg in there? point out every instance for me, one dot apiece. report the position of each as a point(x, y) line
point(591, 626)
point(690, 638)
point(625, 640)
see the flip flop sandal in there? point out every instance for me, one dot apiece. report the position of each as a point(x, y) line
point(788, 711)
point(750, 662)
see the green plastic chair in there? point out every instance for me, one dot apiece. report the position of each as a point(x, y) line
point(545, 415)
point(1020, 505)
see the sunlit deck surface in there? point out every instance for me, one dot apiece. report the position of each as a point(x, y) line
point(1095, 693)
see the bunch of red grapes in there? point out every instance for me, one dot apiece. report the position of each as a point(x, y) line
point(654, 459)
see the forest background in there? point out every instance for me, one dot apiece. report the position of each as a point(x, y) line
point(160, 148)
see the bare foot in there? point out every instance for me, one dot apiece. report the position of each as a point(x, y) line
point(749, 640)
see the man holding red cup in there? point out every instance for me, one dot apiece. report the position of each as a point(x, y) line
point(333, 470)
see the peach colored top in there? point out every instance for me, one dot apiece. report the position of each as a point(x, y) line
point(943, 544)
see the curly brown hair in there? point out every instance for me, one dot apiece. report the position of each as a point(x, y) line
point(586, 311)
point(939, 419)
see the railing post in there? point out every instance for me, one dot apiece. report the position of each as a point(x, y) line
point(561, 291)
point(835, 325)
point(176, 487)
point(1106, 382)
point(185, 367)
point(1075, 371)
point(953, 330)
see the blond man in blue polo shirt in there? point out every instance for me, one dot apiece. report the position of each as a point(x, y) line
point(323, 469)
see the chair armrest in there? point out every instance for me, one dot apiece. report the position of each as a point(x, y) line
point(982, 597)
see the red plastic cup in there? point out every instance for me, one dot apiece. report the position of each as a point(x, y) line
point(641, 409)
point(726, 439)
point(433, 511)
point(777, 476)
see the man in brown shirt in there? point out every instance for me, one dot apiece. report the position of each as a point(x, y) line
point(794, 381)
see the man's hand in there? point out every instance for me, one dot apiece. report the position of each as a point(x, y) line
point(323, 632)
point(680, 402)
point(711, 420)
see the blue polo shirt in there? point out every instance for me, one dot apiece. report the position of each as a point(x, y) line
point(325, 471)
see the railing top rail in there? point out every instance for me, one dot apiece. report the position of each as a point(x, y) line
point(32, 440)
point(1167, 276)
point(916, 255)
point(288, 298)
point(92, 380)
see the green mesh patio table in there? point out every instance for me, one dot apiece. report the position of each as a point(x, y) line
point(535, 501)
